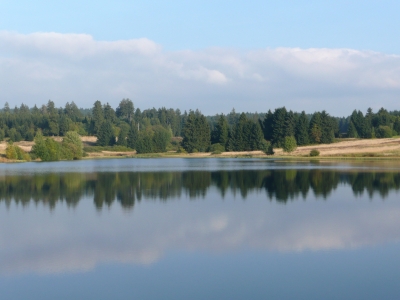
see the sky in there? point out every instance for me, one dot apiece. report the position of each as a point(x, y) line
point(211, 55)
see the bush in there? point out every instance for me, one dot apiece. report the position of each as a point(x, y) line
point(383, 132)
point(216, 148)
point(15, 152)
point(181, 150)
point(46, 149)
point(289, 144)
point(314, 152)
point(268, 149)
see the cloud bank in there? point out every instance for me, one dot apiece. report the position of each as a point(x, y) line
point(75, 67)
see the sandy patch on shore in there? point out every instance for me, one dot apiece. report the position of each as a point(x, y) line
point(383, 147)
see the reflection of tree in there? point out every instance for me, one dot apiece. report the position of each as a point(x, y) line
point(323, 182)
point(129, 187)
point(196, 183)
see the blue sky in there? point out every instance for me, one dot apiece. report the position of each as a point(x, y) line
point(203, 26)
point(179, 24)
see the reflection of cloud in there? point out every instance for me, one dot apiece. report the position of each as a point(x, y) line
point(79, 239)
point(66, 67)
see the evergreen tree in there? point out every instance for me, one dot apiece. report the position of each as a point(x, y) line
point(240, 134)
point(290, 124)
point(327, 128)
point(301, 131)
point(133, 136)
point(144, 143)
point(72, 112)
point(220, 133)
point(105, 135)
point(267, 125)
point(125, 110)
point(278, 126)
point(352, 132)
point(97, 117)
point(396, 125)
point(123, 134)
point(257, 141)
point(161, 138)
point(196, 133)
point(315, 128)
point(109, 113)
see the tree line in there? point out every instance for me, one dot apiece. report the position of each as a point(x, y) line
point(151, 130)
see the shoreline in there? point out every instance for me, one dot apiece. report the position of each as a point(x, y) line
point(343, 150)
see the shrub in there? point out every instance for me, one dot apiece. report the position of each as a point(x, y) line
point(289, 144)
point(216, 148)
point(383, 132)
point(181, 150)
point(15, 152)
point(268, 148)
point(46, 149)
point(314, 152)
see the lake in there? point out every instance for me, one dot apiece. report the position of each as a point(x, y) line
point(199, 229)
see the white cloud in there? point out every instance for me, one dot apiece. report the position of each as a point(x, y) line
point(75, 67)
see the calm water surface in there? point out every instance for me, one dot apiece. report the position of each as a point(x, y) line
point(199, 229)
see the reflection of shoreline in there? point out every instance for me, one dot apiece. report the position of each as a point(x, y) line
point(129, 187)
point(78, 240)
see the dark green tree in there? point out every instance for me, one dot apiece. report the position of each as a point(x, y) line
point(278, 126)
point(352, 132)
point(327, 128)
point(123, 134)
point(132, 137)
point(97, 117)
point(267, 125)
point(109, 113)
point(125, 110)
point(105, 135)
point(301, 131)
point(196, 133)
point(315, 128)
point(221, 131)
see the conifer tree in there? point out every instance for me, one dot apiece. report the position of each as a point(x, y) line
point(278, 126)
point(352, 131)
point(123, 134)
point(220, 133)
point(315, 130)
point(105, 136)
point(327, 130)
point(133, 136)
point(301, 132)
point(239, 134)
point(290, 123)
point(109, 113)
point(125, 110)
point(257, 141)
point(196, 133)
point(97, 117)
point(267, 125)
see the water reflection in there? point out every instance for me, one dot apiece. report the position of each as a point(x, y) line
point(129, 187)
point(138, 218)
